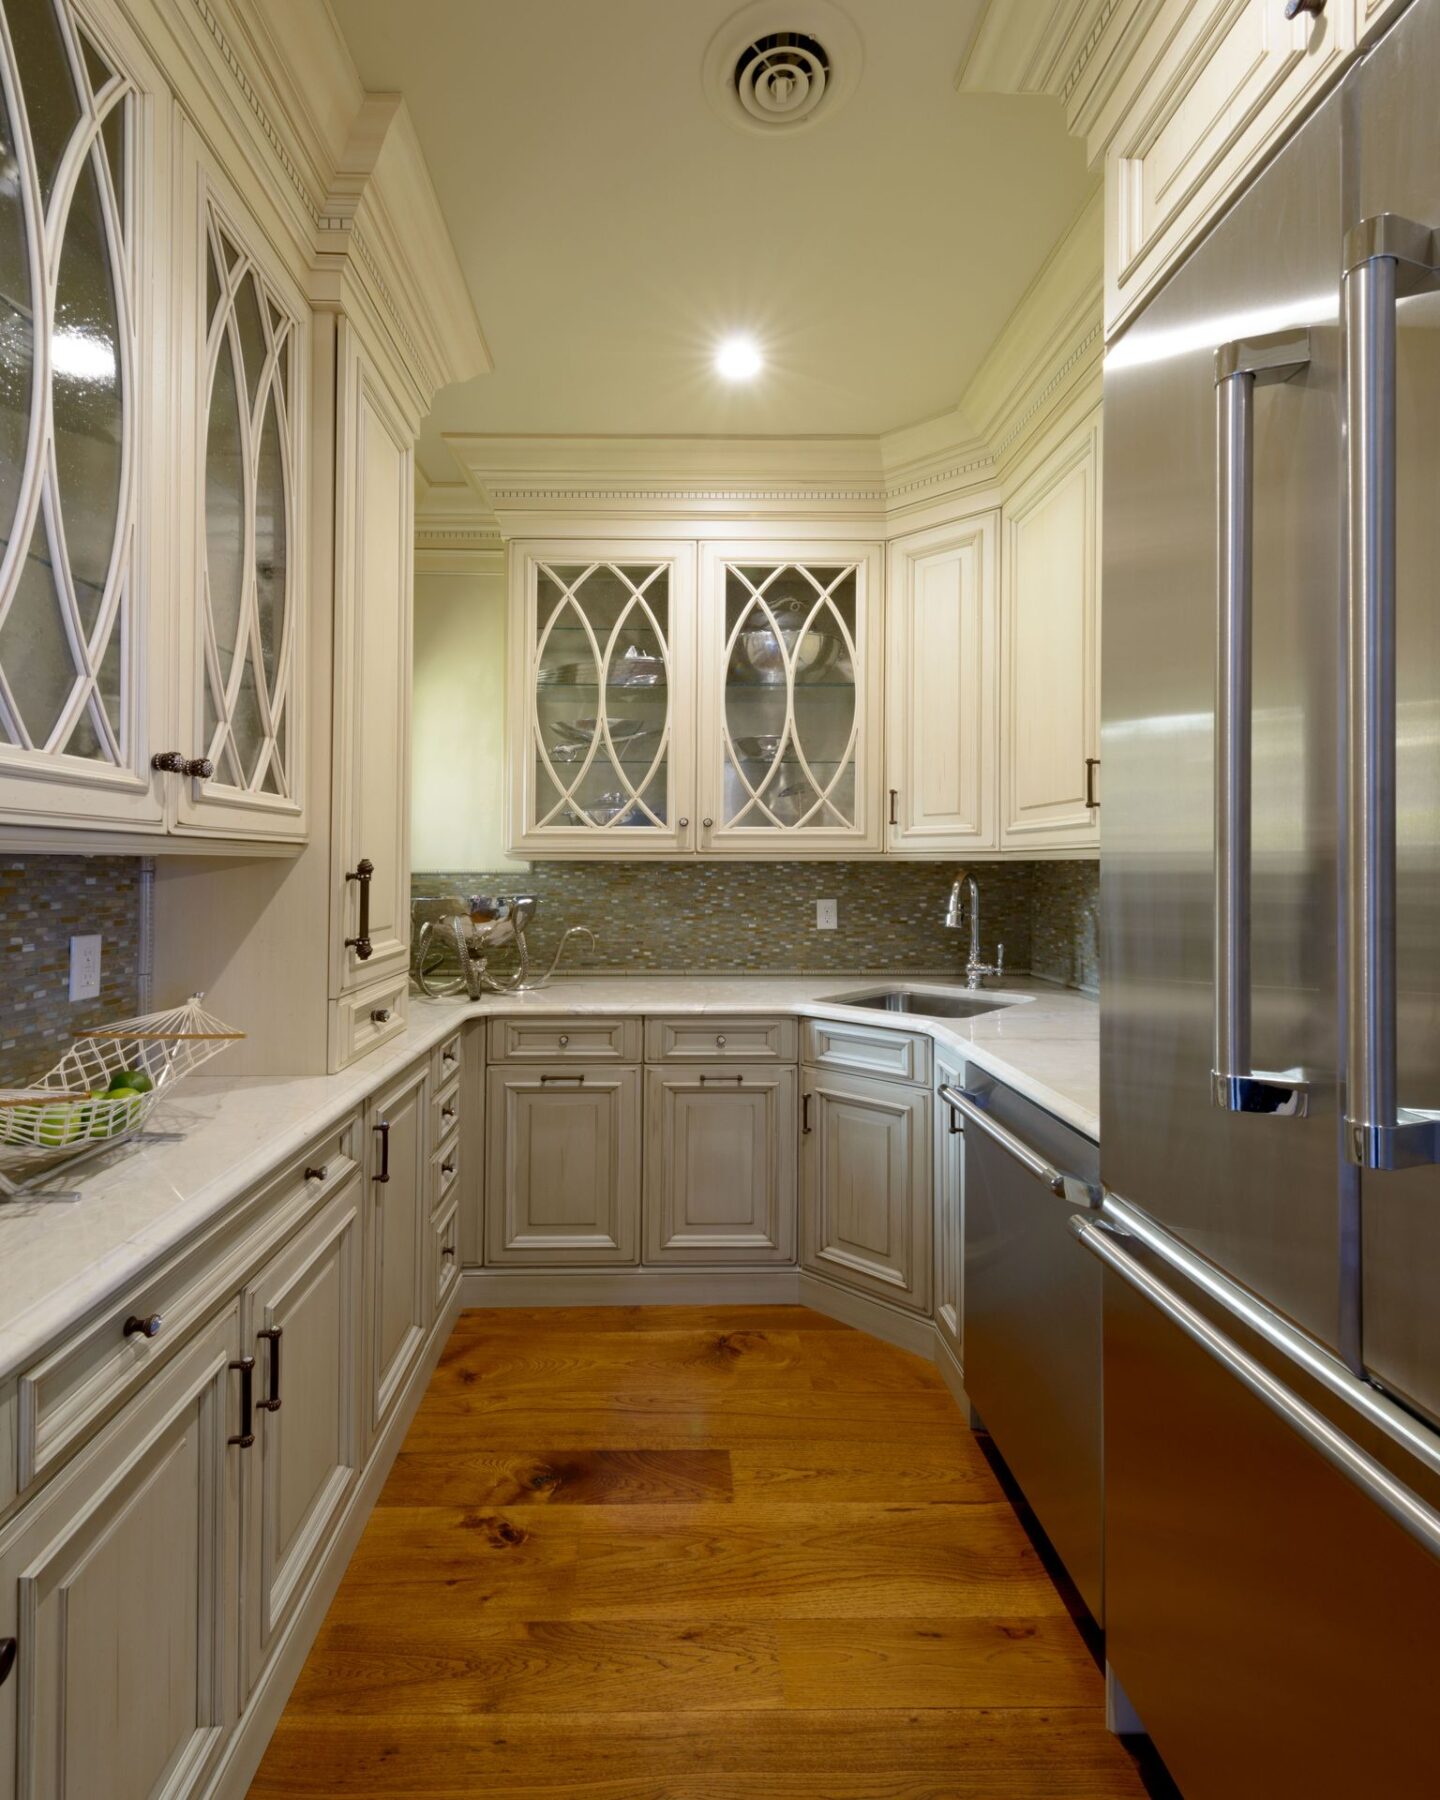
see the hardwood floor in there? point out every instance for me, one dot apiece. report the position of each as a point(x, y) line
point(693, 1553)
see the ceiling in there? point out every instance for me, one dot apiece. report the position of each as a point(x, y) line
point(613, 226)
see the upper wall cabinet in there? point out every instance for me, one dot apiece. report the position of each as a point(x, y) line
point(603, 671)
point(241, 631)
point(1050, 629)
point(791, 698)
point(942, 647)
point(82, 504)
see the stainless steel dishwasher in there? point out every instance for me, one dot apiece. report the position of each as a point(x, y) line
point(1033, 1313)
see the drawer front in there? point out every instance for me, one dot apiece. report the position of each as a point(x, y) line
point(446, 1061)
point(62, 1398)
point(360, 1023)
point(861, 1050)
point(565, 1040)
point(721, 1040)
point(447, 1255)
point(444, 1173)
point(445, 1112)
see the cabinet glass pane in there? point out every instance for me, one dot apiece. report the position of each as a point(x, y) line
point(791, 706)
point(64, 488)
point(602, 689)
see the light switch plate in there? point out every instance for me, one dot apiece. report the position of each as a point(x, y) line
point(827, 915)
point(85, 968)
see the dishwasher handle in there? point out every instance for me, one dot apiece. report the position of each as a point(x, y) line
point(1066, 1187)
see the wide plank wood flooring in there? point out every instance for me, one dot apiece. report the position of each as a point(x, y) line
point(693, 1553)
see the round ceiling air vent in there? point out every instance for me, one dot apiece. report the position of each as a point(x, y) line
point(779, 65)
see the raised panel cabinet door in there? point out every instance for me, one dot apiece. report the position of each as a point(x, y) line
point(791, 699)
point(374, 582)
point(949, 1240)
point(1050, 649)
point(397, 1287)
point(720, 1164)
point(120, 1586)
point(85, 446)
point(942, 636)
point(302, 1324)
point(602, 678)
point(865, 1170)
point(562, 1165)
point(243, 493)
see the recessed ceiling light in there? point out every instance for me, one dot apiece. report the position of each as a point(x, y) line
point(739, 359)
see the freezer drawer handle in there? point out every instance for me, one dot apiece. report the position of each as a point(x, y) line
point(1068, 1187)
point(1379, 1485)
point(1240, 367)
point(1385, 257)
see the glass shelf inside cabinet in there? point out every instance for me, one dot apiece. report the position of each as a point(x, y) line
point(790, 700)
point(601, 696)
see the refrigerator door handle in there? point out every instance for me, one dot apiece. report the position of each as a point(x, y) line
point(1385, 256)
point(1066, 1187)
point(1239, 368)
point(1387, 1492)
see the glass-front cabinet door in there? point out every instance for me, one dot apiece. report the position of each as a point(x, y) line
point(79, 502)
point(790, 699)
point(602, 668)
point(240, 724)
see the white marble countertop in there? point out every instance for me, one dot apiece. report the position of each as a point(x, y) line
point(60, 1258)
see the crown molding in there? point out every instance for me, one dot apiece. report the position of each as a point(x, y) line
point(454, 535)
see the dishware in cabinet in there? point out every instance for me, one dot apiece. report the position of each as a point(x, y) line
point(790, 748)
point(602, 697)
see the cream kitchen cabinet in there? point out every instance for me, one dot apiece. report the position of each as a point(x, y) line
point(121, 1589)
point(397, 1240)
point(720, 1164)
point(865, 1185)
point(562, 1165)
point(1049, 650)
point(949, 1226)
point(942, 646)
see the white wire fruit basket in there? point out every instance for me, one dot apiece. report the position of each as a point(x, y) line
point(102, 1091)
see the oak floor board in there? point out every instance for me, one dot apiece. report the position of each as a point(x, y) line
point(692, 1553)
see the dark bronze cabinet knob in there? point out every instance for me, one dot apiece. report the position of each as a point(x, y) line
point(148, 1327)
point(171, 762)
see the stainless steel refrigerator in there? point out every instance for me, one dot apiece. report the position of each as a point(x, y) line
point(1270, 901)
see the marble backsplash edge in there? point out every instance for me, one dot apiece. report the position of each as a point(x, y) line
point(744, 918)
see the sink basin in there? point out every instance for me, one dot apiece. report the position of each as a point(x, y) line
point(933, 1006)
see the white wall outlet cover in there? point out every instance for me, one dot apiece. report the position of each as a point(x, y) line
point(827, 915)
point(85, 968)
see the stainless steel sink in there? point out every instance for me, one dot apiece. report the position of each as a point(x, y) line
point(928, 1005)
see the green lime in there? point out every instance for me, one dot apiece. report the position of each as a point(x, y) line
point(122, 1078)
point(120, 1110)
point(58, 1125)
point(140, 1082)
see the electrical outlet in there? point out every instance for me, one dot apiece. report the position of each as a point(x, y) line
point(85, 968)
point(827, 915)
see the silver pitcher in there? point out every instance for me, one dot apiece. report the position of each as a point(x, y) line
point(453, 939)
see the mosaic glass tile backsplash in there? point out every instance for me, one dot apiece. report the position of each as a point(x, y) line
point(718, 918)
point(43, 900)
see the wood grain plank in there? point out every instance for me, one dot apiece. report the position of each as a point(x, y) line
point(557, 1478)
point(545, 1321)
point(808, 1470)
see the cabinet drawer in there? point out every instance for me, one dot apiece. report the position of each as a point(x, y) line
point(446, 1060)
point(863, 1050)
point(444, 1173)
point(444, 1112)
point(565, 1040)
point(360, 1023)
point(64, 1396)
point(447, 1255)
point(713, 1039)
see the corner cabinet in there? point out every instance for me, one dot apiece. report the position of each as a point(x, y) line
point(713, 699)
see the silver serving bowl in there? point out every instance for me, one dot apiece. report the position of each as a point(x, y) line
point(763, 651)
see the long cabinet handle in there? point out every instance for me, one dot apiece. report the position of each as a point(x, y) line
point(1067, 1187)
point(705, 1080)
point(382, 1126)
point(805, 1126)
point(894, 806)
point(1406, 1508)
point(363, 873)
point(1385, 256)
point(1092, 799)
point(245, 1437)
point(272, 1334)
point(1239, 368)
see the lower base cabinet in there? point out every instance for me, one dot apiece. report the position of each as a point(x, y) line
point(121, 1589)
point(949, 1252)
point(865, 1174)
point(720, 1164)
point(397, 1154)
point(563, 1165)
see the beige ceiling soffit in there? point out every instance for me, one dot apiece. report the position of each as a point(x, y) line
point(454, 534)
point(1016, 47)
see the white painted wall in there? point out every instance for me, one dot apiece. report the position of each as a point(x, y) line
point(459, 722)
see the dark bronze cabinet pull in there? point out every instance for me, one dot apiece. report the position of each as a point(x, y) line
point(273, 1335)
point(956, 1129)
point(739, 1080)
point(579, 1080)
point(360, 944)
point(894, 806)
point(148, 1327)
point(1092, 763)
point(805, 1114)
point(8, 1647)
point(448, 1111)
point(448, 1251)
point(245, 1437)
point(447, 1168)
point(383, 1127)
point(320, 1174)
